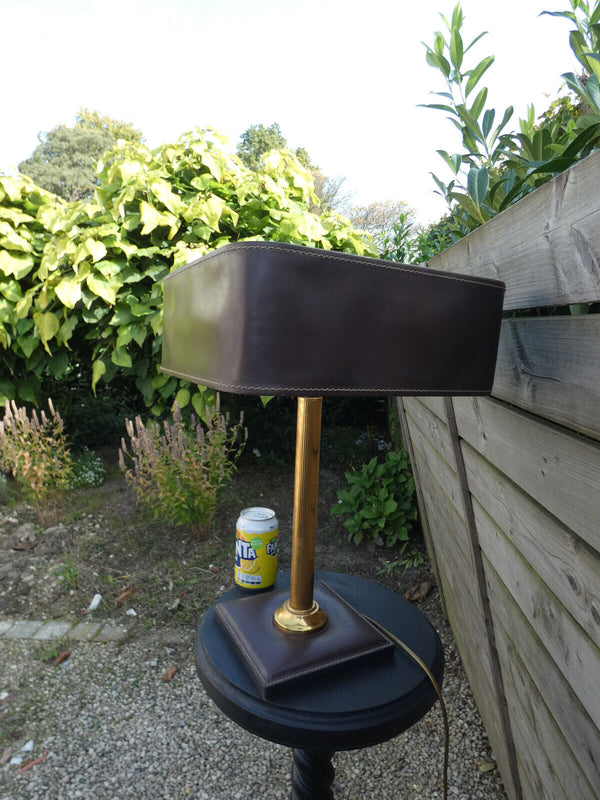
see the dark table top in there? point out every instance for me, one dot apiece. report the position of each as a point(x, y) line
point(359, 707)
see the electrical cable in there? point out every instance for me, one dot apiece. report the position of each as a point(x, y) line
point(438, 691)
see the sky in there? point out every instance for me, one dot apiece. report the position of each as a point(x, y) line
point(344, 79)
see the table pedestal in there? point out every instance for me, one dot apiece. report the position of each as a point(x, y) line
point(357, 707)
point(312, 775)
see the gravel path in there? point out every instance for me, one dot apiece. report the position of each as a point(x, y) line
point(114, 730)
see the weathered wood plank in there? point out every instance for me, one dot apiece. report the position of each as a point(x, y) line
point(529, 793)
point(549, 365)
point(449, 528)
point(546, 753)
point(570, 648)
point(484, 601)
point(560, 470)
point(464, 612)
point(577, 731)
point(423, 518)
point(434, 428)
point(429, 440)
point(568, 566)
point(546, 247)
point(434, 404)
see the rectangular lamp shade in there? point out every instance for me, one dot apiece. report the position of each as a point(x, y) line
point(279, 319)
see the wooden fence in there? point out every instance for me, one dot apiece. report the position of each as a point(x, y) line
point(509, 494)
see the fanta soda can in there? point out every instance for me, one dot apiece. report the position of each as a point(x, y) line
point(256, 548)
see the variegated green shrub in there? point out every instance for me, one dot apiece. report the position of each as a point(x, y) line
point(80, 283)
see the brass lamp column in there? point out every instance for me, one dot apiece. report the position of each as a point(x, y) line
point(301, 613)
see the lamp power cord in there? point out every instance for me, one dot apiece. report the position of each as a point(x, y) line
point(438, 691)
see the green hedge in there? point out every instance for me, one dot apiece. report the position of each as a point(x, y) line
point(80, 283)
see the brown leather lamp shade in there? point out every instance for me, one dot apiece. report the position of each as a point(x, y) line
point(280, 319)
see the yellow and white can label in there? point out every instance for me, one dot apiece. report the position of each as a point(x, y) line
point(256, 548)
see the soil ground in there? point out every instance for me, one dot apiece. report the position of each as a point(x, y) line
point(105, 545)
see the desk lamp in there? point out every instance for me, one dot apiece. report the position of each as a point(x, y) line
point(268, 318)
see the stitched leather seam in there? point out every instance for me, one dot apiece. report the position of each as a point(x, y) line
point(317, 253)
point(275, 389)
point(330, 662)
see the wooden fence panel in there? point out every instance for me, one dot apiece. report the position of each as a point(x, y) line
point(510, 486)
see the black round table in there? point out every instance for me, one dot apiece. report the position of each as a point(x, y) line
point(352, 709)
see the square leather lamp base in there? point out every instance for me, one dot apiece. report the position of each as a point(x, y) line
point(277, 660)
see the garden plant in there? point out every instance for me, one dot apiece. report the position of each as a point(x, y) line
point(378, 504)
point(498, 166)
point(34, 450)
point(179, 471)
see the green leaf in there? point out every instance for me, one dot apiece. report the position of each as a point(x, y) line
point(26, 390)
point(566, 14)
point(201, 401)
point(577, 309)
point(47, 325)
point(28, 345)
point(66, 329)
point(59, 363)
point(475, 40)
point(7, 390)
point(121, 358)
point(97, 250)
point(438, 107)
point(439, 62)
point(456, 48)
point(19, 266)
point(507, 115)
point(488, 121)
point(211, 212)
point(13, 241)
point(98, 370)
point(182, 398)
point(389, 507)
point(68, 292)
point(150, 217)
point(102, 288)
point(478, 103)
point(593, 91)
point(215, 165)
point(476, 74)
point(23, 305)
point(167, 197)
point(469, 123)
point(438, 43)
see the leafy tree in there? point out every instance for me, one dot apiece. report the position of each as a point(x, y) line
point(378, 219)
point(330, 192)
point(65, 160)
point(95, 121)
point(257, 141)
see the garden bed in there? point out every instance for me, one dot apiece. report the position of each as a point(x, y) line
point(151, 573)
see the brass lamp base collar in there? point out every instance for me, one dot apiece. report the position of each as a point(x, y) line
point(292, 620)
